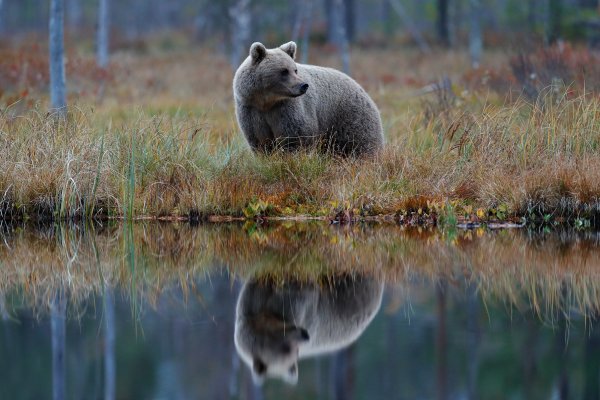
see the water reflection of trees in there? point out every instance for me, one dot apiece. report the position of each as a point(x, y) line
point(185, 345)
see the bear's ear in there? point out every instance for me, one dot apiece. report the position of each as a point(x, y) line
point(259, 370)
point(292, 375)
point(298, 334)
point(290, 49)
point(258, 51)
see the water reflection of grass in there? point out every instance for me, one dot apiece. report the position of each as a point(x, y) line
point(548, 273)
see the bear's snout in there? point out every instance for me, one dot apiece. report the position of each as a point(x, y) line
point(299, 90)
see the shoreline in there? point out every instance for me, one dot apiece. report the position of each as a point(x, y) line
point(342, 219)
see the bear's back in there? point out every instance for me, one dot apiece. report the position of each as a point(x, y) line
point(343, 313)
point(345, 112)
point(334, 316)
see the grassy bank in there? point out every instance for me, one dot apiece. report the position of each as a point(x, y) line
point(148, 147)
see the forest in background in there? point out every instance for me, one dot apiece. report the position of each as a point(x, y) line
point(232, 25)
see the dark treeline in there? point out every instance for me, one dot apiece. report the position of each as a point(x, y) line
point(439, 21)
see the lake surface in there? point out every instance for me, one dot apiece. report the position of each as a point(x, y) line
point(297, 311)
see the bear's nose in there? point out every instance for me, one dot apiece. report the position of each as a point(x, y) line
point(304, 88)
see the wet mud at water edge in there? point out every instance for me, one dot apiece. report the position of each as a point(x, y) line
point(297, 310)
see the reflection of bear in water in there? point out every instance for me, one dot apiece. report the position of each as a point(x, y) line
point(277, 325)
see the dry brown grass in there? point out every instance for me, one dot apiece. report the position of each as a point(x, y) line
point(158, 138)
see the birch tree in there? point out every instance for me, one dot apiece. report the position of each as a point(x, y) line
point(58, 315)
point(299, 19)
point(350, 19)
point(302, 26)
point(555, 12)
point(443, 30)
point(1, 25)
point(475, 40)
point(57, 60)
point(102, 34)
point(384, 18)
point(341, 35)
point(240, 32)
point(306, 33)
point(330, 12)
point(110, 367)
point(532, 6)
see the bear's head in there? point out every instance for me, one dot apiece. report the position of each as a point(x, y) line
point(269, 76)
point(272, 350)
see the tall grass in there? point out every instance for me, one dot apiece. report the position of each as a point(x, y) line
point(525, 156)
point(164, 143)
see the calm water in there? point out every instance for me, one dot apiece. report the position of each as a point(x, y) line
point(297, 311)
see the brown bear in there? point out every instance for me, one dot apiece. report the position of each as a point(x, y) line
point(284, 105)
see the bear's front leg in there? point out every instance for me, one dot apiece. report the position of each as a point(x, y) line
point(257, 132)
point(292, 128)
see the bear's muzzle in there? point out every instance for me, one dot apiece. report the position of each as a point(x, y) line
point(300, 89)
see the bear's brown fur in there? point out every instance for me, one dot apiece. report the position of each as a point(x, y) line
point(284, 105)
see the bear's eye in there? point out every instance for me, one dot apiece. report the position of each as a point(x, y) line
point(284, 72)
point(296, 71)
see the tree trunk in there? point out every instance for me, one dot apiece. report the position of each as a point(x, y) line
point(298, 18)
point(302, 25)
point(306, 33)
point(532, 6)
point(386, 23)
point(441, 343)
point(58, 315)
point(350, 17)
point(344, 374)
point(555, 11)
point(102, 34)
point(475, 40)
point(240, 32)
point(57, 60)
point(442, 22)
point(330, 20)
point(591, 362)
point(110, 367)
point(342, 38)
point(473, 337)
point(1, 18)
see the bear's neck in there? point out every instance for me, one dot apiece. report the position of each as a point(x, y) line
point(266, 102)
